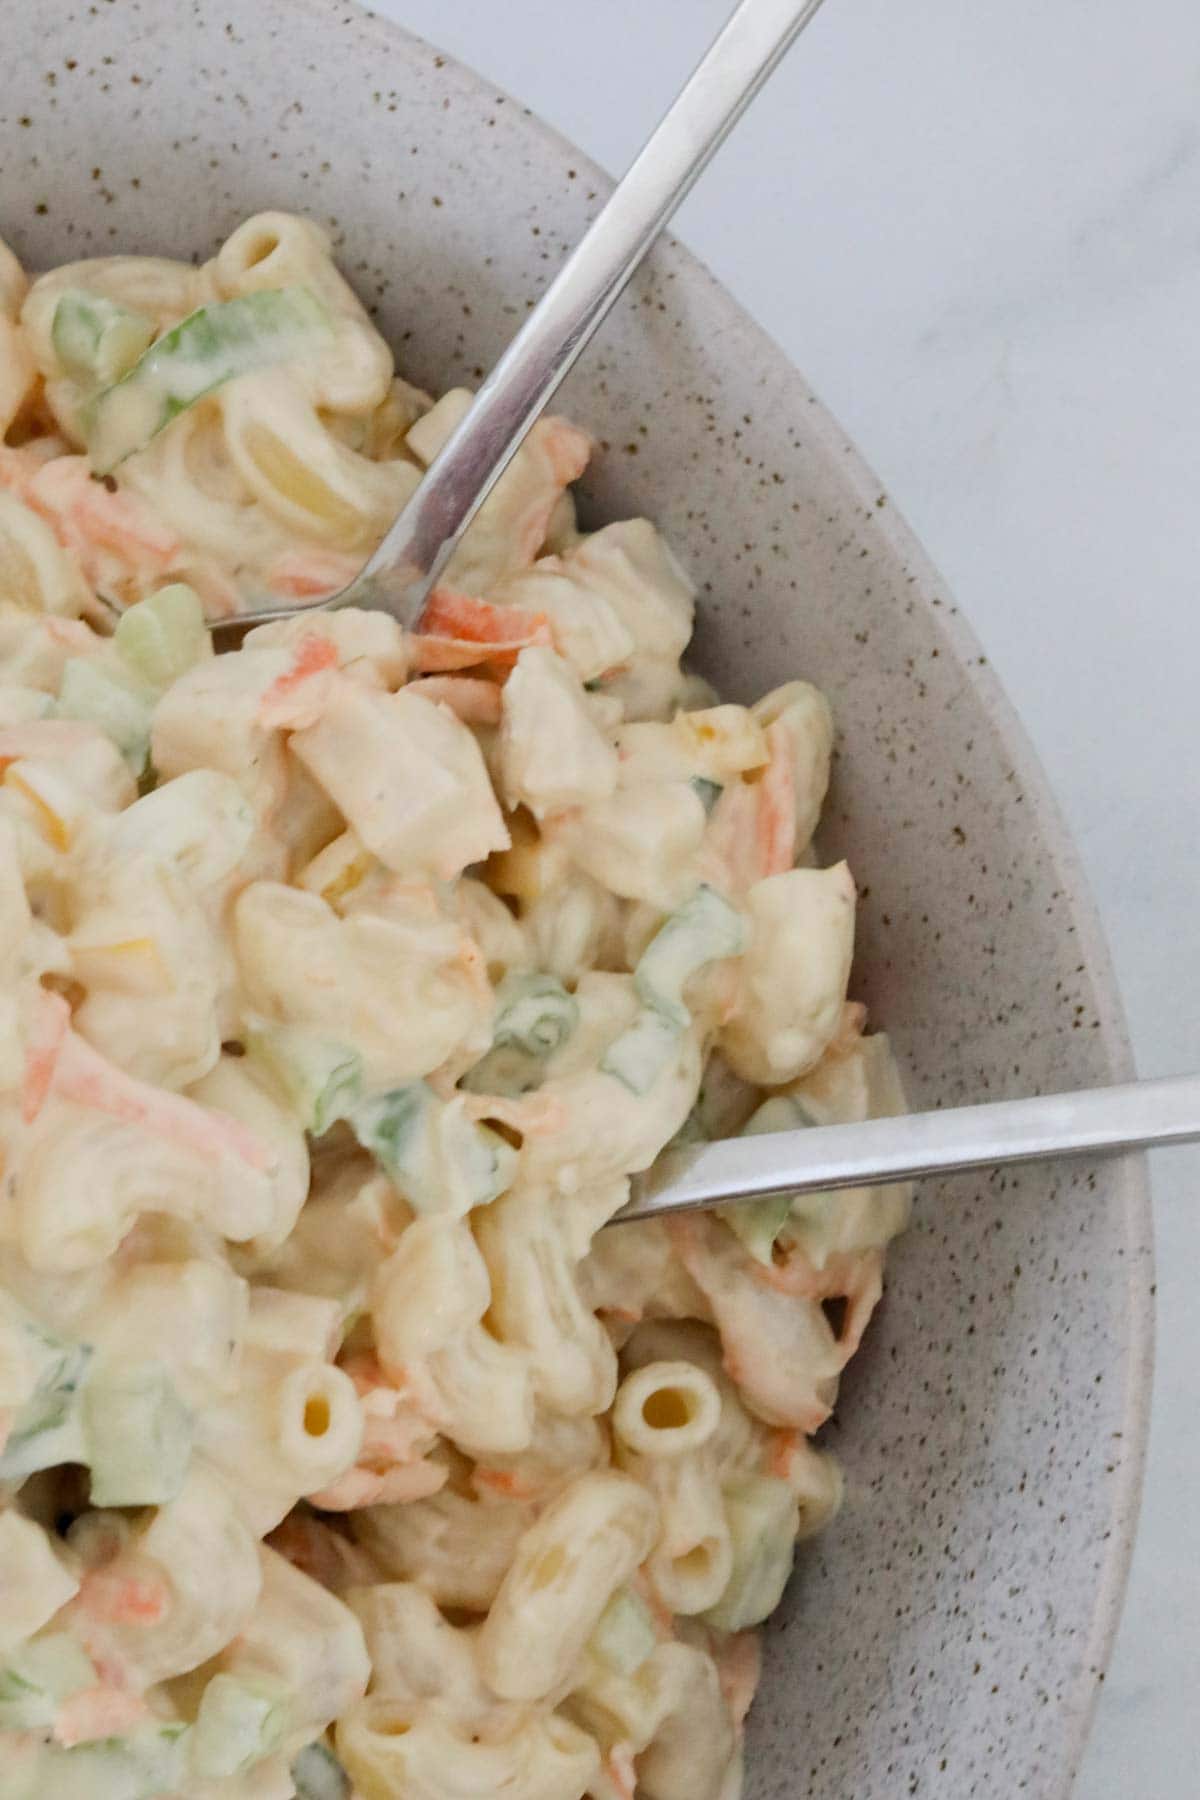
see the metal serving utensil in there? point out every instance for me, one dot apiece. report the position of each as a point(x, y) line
point(402, 570)
point(1092, 1122)
point(398, 576)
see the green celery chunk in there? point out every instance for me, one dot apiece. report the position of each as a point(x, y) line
point(122, 711)
point(46, 1429)
point(38, 1677)
point(759, 1222)
point(210, 347)
point(763, 1516)
point(638, 1057)
point(534, 1013)
point(441, 1161)
point(137, 1436)
point(95, 339)
point(624, 1635)
point(239, 1721)
point(321, 1079)
point(163, 636)
point(704, 929)
point(150, 1762)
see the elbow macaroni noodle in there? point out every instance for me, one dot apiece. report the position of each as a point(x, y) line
point(344, 982)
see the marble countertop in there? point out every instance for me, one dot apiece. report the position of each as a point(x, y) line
point(982, 247)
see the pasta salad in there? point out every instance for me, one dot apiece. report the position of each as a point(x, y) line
point(346, 980)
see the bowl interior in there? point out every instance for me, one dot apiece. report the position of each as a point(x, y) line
point(946, 1635)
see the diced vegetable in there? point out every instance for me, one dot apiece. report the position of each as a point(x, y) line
point(759, 1222)
point(137, 1436)
point(38, 1677)
point(641, 1053)
point(535, 1013)
point(319, 1775)
point(763, 1517)
point(149, 1762)
point(704, 929)
point(239, 1721)
point(209, 347)
point(162, 637)
point(439, 1159)
point(321, 1079)
point(122, 710)
point(95, 339)
point(625, 1634)
point(46, 1429)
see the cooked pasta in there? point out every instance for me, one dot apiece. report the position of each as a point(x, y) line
point(345, 980)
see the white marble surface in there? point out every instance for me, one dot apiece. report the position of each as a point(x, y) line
point(975, 229)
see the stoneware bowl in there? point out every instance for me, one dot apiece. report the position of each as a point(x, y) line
point(947, 1635)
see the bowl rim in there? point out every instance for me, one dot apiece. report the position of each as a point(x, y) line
point(1131, 1171)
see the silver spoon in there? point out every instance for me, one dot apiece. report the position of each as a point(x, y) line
point(420, 543)
point(1093, 1122)
point(398, 576)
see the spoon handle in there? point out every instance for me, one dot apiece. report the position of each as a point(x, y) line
point(458, 481)
point(1095, 1122)
point(519, 387)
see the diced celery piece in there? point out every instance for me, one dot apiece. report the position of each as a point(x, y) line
point(441, 1161)
point(163, 636)
point(321, 1079)
point(209, 347)
point(763, 1516)
point(38, 1677)
point(319, 1775)
point(535, 1013)
point(239, 1721)
point(624, 1634)
point(704, 929)
point(148, 1763)
point(46, 1429)
point(122, 710)
point(759, 1222)
point(137, 1436)
point(95, 339)
point(638, 1057)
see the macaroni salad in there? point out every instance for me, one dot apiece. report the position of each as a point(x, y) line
point(345, 981)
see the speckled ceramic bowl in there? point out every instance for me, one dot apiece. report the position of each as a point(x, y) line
point(947, 1635)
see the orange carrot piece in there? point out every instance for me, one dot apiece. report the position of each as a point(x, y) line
point(47, 1033)
point(454, 622)
point(776, 818)
point(84, 1077)
point(287, 704)
point(117, 1599)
